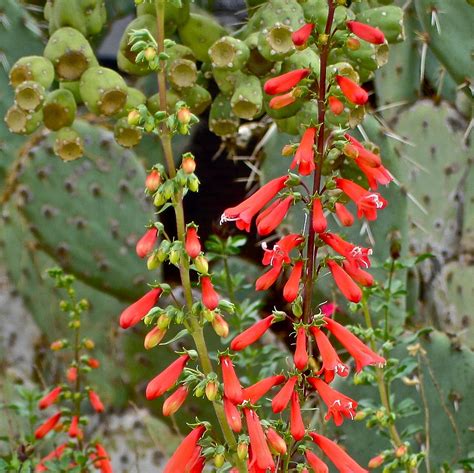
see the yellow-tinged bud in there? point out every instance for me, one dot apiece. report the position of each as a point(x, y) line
point(201, 264)
point(89, 344)
point(211, 390)
point(150, 53)
point(133, 118)
point(375, 462)
point(220, 326)
point(154, 337)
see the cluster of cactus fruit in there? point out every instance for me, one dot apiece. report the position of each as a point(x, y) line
point(282, 38)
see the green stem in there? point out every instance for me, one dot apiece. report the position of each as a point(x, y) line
point(197, 330)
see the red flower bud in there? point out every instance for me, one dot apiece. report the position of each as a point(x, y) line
point(297, 428)
point(135, 312)
point(71, 374)
point(343, 215)
point(353, 92)
point(153, 181)
point(281, 400)
point(167, 378)
point(300, 357)
point(154, 337)
point(192, 245)
point(261, 454)
point(232, 388)
point(347, 286)
point(210, 298)
point(275, 442)
point(319, 220)
point(74, 430)
point(301, 35)
point(316, 463)
point(304, 156)
point(95, 401)
point(357, 274)
point(285, 82)
point(188, 164)
point(50, 398)
point(175, 401)
point(335, 105)
point(232, 415)
point(102, 461)
point(182, 458)
point(267, 279)
point(280, 101)
point(290, 291)
point(93, 363)
point(252, 334)
point(146, 243)
point(367, 33)
point(256, 391)
point(47, 426)
point(184, 116)
point(375, 462)
point(55, 454)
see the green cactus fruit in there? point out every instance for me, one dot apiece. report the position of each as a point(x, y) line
point(344, 69)
point(32, 68)
point(247, 99)
point(306, 58)
point(229, 53)
point(388, 18)
point(59, 109)
point(226, 80)
point(135, 98)
point(316, 11)
point(447, 27)
point(125, 56)
point(68, 144)
point(182, 73)
point(29, 96)
point(127, 135)
point(153, 102)
point(74, 87)
point(257, 64)
point(199, 33)
point(222, 120)
point(103, 91)
point(196, 97)
point(86, 16)
point(70, 53)
point(21, 122)
point(275, 43)
point(174, 15)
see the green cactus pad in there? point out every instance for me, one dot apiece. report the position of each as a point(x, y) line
point(246, 101)
point(229, 53)
point(222, 120)
point(103, 91)
point(29, 96)
point(199, 33)
point(70, 53)
point(59, 109)
point(32, 68)
point(306, 58)
point(21, 122)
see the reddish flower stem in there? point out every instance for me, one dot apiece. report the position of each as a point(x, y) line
point(312, 250)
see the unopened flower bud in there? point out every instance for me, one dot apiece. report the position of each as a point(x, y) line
point(89, 344)
point(193, 183)
point(401, 450)
point(153, 181)
point(150, 53)
point(353, 44)
point(219, 460)
point(164, 321)
point(201, 264)
point(133, 117)
point(288, 150)
point(211, 390)
point(208, 315)
point(220, 326)
point(153, 262)
point(57, 345)
point(242, 450)
point(163, 250)
point(154, 337)
point(323, 38)
point(375, 462)
point(188, 164)
point(361, 415)
point(184, 116)
point(350, 151)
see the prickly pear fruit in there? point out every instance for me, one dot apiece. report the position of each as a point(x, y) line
point(68, 144)
point(257, 64)
point(229, 53)
point(59, 109)
point(29, 95)
point(73, 87)
point(275, 43)
point(304, 59)
point(222, 120)
point(182, 73)
point(22, 122)
point(199, 33)
point(226, 80)
point(135, 98)
point(32, 68)
point(197, 98)
point(103, 91)
point(70, 53)
point(247, 98)
point(127, 135)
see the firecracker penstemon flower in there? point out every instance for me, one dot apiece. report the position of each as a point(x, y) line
point(283, 441)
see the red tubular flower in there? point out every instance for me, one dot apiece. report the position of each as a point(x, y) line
point(261, 454)
point(232, 415)
point(281, 400)
point(55, 454)
point(272, 219)
point(210, 298)
point(367, 202)
point(357, 274)
point(47, 426)
point(175, 401)
point(339, 405)
point(343, 462)
point(267, 211)
point(301, 35)
point(281, 250)
point(167, 378)
point(316, 463)
point(331, 363)
point(375, 176)
point(74, 430)
point(192, 244)
point(367, 33)
point(197, 462)
point(267, 279)
point(335, 105)
point(300, 357)
point(185, 451)
point(319, 220)
point(146, 243)
point(103, 459)
point(361, 353)
point(71, 374)
point(135, 312)
point(304, 156)
point(243, 213)
point(95, 401)
point(347, 286)
point(285, 82)
point(290, 291)
point(275, 442)
point(365, 156)
point(153, 181)
point(297, 428)
point(329, 309)
point(281, 101)
point(256, 391)
point(50, 398)
point(93, 363)
point(232, 388)
point(357, 255)
point(343, 215)
point(352, 91)
point(252, 334)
